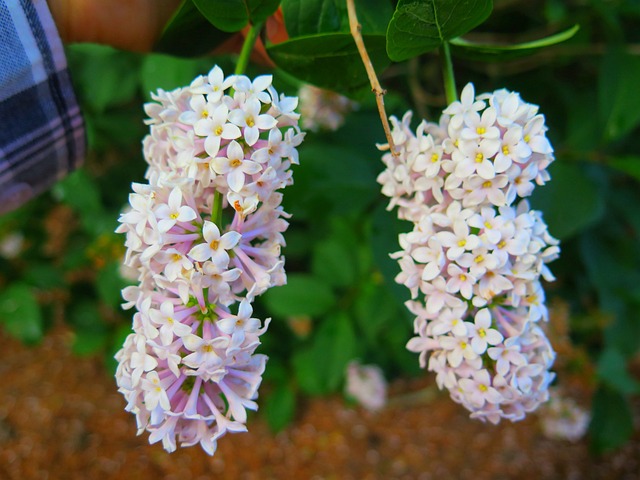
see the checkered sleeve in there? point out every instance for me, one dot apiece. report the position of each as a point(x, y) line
point(42, 133)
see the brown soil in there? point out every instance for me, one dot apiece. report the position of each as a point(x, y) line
point(62, 418)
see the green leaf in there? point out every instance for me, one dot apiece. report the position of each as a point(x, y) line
point(312, 17)
point(280, 407)
point(20, 313)
point(307, 367)
point(498, 52)
point(317, 59)
point(321, 368)
point(338, 341)
point(260, 10)
point(189, 33)
point(309, 17)
point(384, 241)
point(375, 307)
point(618, 97)
point(104, 77)
point(612, 420)
point(81, 193)
point(167, 72)
point(629, 165)
point(570, 202)
point(88, 342)
point(612, 371)
point(302, 295)
point(91, 333)
point(44, 275)
point(334, 263)
point(110, 283)
point(225, 15)
point(419, 26)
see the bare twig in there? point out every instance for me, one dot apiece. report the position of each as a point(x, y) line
point(356, 32)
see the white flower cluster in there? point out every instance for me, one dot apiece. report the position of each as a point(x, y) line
point(205, 235)
point(476, 253)
point(563, 419)
point(366, 385)
point(323, 109)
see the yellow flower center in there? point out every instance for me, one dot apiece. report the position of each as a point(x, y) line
point(486, 184)
point(218, 131)
point(214, 245)
point(483, 388)
point(479, 157)
point(204, 114)
point(479, 259)
point(174, 216)
point(462, 243)
point(481, 130)
point(207, 348)
point(434, 157)
point(505, 150)
point(235, 163)
point(463, 277)
point(482, 332)
point(250, 122)
point(527, 138)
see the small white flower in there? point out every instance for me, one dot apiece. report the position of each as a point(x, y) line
point(215, 246)
point(235, 166)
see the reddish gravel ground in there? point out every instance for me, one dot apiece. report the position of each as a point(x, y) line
point(62, 418)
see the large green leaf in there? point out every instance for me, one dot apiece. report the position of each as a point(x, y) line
point(612, 422)
point(311, 17)
point(496, 52)
point(259, 10)
point(226, 15)
point(302, 295)
point(20, 313)
point(570, 202)
point(628, 164)
point(618, 97)
point(104, 77)
point(168, 72)
point(189, 33)
point(612, 370)
point(329, 60)
point(321, 368)
point(280, 407)
point(419, 26)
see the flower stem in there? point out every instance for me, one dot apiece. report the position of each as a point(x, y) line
point(447, 73)
point(216, 209)
point(247, 47)
point(356, 33)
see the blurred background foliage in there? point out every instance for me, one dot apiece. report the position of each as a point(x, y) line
point(60, 260)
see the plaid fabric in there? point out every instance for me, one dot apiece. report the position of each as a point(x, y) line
point(41, 129)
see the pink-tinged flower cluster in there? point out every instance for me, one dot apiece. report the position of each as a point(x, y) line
point(323, 109)
point(562, 418)
point(366, 385)
point(474, 258)
point(205, 236)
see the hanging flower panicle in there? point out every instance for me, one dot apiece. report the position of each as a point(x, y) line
point(204, 235)
point(474, 258)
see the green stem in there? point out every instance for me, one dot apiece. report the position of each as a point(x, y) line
point(216, 209)
point(247, 48)
point(447, 73)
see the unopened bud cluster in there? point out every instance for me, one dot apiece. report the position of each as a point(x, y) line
point(474, 258)
point(204, 236)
